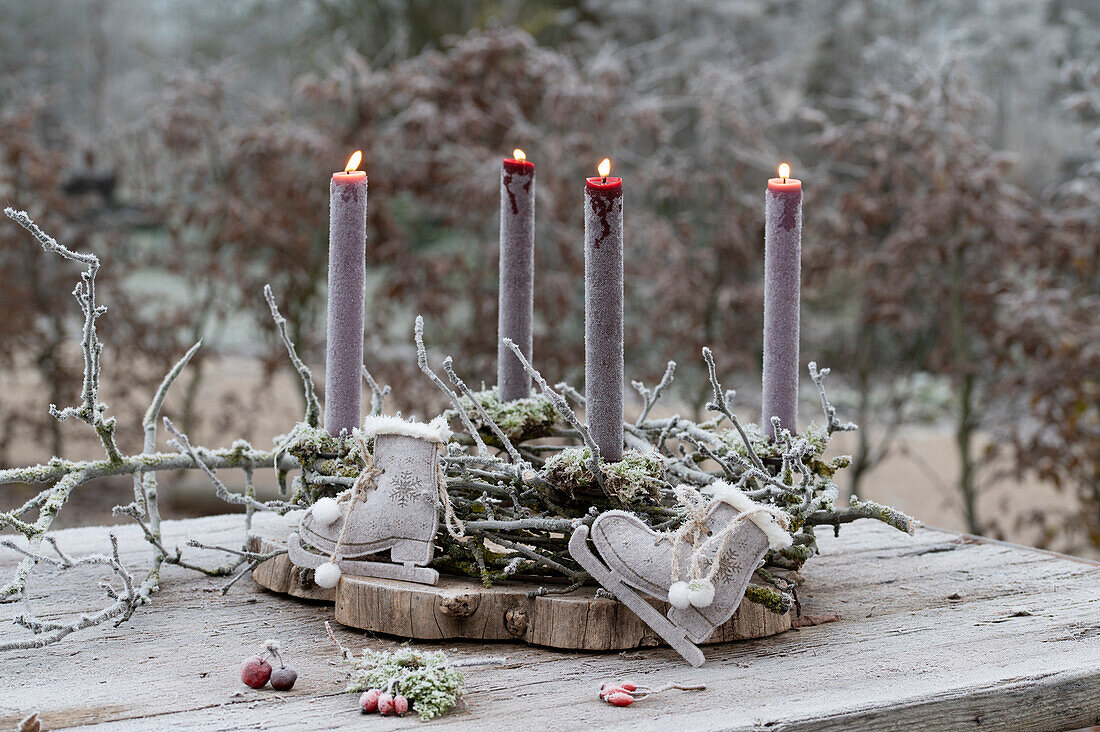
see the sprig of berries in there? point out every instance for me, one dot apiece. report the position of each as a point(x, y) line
point(256, 671)
point(383, 702)
point(625, 693)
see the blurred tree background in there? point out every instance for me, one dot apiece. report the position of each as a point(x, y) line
point(949, 150)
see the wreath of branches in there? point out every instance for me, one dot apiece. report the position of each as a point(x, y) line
point(520, 475)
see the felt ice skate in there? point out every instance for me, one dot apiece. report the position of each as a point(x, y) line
point(701, 570)
point(392, 507)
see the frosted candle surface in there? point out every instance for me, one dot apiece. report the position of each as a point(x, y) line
point(603, 314)
point(782, 292)
point(347, 273)
point(517, 276)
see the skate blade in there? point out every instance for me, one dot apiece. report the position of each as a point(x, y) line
point(673, 635)
point(302, 557)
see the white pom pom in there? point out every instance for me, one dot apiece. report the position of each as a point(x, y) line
point(327, 575)
point(678, 595)
point(326, 511)
point(700, 593)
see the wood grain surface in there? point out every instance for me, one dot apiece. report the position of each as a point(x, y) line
point(936, 631)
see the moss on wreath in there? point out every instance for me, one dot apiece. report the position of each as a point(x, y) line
point(635, 480)
point(772, 600)
point(321, 453)
point(768, 450)
point(522, 419)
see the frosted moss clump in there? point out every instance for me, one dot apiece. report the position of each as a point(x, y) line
point(423, 678)
point(762, 445)
point(636, 479)
point(325, 454)
point(522, 419)
point(768, 449)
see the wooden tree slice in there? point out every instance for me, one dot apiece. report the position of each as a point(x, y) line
point(461, 608)
point(280, 575)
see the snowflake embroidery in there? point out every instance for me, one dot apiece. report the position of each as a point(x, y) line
point(406, 487)
point(729, 568)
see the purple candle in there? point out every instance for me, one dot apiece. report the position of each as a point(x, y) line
point(517, 274)
point(347, 273)
point(603, 311)
point(782, 284)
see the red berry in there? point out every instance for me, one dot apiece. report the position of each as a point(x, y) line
point(283, 678)
point(369, 700)
point(385, 703)
point(610, 689)
point(400, 705)
point(629, 686)
point(620, 698)
point(255, 672)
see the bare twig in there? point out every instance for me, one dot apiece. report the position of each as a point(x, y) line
point(448, 367)
point(91, 410)
point(832, 424)
point(219, 487)
point(720, 404)
point(125, 598)
point(377, 393)
point(649, 398)
point(313, 405)
point(564, 410)
point(422, 362)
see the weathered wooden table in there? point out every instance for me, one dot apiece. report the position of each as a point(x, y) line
point(936, 631)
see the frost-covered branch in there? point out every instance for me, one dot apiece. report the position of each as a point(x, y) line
point(422, 362)
point(863, 510)
point(126, 597)
point(220, 488)
point(377, 393)
point(88, 470)
point(650, 397)
point(64, 476)
point(448, 367)
point(313, 405)
point(90, 410)
point(832, 424)
point(720, 404)
point(565, 410)
point(145, 483)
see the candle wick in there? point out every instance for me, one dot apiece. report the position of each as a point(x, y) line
point(605, 179)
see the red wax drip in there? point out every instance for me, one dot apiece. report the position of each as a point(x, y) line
point(604, 184)
point(518, 166)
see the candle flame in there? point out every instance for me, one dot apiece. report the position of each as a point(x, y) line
point(353, 161)
point(604, 167)
point(784, 171)
point(519, 155)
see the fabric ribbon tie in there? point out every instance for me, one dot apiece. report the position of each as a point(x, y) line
point(698, 589)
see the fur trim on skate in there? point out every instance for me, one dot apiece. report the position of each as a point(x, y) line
point(778, 538)
point(386, 424)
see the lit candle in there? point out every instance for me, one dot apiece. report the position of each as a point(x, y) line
point(517, 274)
point(603, 311)
point(347, 273)
point(782, 284)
